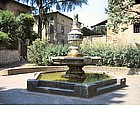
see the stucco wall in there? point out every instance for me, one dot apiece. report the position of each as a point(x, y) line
point(8, 56)
point(94, 39)
point(126, 37)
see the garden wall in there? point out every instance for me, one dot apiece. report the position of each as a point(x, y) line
point(8, 56)
point(93, 39)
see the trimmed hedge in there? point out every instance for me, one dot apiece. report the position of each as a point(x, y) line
point(117, 56)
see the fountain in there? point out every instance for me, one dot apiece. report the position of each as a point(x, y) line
point(75, 62)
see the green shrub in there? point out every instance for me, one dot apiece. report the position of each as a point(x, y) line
point(40, 52)
point(117, 56)
point(9, 26)
point(4, 38)
point(133, 57)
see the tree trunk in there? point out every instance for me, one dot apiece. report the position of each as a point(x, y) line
point(40, 19)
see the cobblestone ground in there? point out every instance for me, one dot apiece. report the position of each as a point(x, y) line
point(13, 91)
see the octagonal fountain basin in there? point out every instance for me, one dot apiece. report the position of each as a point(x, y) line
point(92, 84)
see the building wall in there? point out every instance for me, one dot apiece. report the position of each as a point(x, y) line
point(15, 7)
point(94, 39)
point(8, 56)
point(58, 21)
point(126, 37)
point(2, 5)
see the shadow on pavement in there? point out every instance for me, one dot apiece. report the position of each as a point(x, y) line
point(18, 96)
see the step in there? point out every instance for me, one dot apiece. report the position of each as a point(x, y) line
point(56, 84)
point(108, 88)
point(104, 83)
point(57, 91)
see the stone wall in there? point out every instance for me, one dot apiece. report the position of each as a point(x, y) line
point(15, 7)
point(126, 37)
point(8, 56)
point(94, 39)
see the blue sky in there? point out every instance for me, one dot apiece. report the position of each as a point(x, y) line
point(92, 13)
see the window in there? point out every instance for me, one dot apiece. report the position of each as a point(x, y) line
point(136, 28)
point(51, 29)
point(62, 29)
point(137, 1)
point(51, 18)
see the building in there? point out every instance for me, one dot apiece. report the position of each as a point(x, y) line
point(14, 6)
point(129, 36)
point(10, 56)
point(56, 27)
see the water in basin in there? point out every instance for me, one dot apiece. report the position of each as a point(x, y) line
point(89, 77)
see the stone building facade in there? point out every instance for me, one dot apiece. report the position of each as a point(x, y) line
point(14, 6)
point(56, 27)
point(11, 56)
point(129, 36)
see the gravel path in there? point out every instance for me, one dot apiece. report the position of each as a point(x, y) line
point(13, 91)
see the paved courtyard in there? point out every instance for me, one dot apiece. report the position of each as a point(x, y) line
point(13, 92)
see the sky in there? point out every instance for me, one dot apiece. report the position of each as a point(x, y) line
point(92, 13)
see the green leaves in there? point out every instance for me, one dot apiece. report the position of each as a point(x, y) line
point(25, 23)
point(12, 28)
point(40, 52)
point(118, 56)
point(121, 14)
point(8, 26)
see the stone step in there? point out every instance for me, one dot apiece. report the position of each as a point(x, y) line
point(108, 88)
point(57, 91)
point(104, 83)
point(56, 84)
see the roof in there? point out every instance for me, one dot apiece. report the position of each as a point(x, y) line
point(13, 1)
point(100, 23)
point(57, 12)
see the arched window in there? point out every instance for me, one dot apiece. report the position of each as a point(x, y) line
point(51, 29)
point(62, 29)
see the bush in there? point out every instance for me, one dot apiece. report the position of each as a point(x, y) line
point(4, 38)
point(117, 56)
point(40, 52)
point(8, 25)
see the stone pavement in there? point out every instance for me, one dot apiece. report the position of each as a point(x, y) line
point(13, 92)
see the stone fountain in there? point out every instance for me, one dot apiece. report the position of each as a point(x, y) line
point(75, 60)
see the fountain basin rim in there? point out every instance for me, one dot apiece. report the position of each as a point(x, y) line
point(75, 58)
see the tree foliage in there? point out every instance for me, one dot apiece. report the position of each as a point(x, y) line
point(121, 14)
point(8, 25)
point(43, 6)
point(25, 26)
point(97, 30)
point(12, 28)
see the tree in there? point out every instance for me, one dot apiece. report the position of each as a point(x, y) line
point(97, 30)
point(121, 14)
point(43, 6)
point(86, 31)
point(12, 28)
point(25, 26)
point(8, 25)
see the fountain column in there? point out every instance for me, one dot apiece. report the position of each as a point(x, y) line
point(75, 57)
